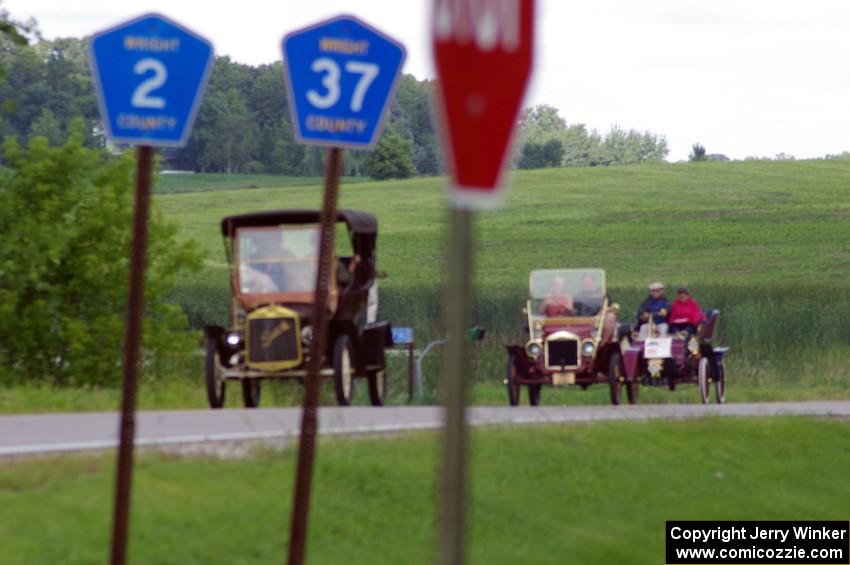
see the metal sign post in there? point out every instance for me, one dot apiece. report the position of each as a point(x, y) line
point(340, 74)
point(149, 75)
point(482, 52)
point(456, 314)
point(309, 421)
point(132, 340)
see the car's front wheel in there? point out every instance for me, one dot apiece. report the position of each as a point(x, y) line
point(213, 375)
point(510, 382)
point(343, 370)
point(632, 391)
point(534, 394)
point(615, 376)
point(251, 392)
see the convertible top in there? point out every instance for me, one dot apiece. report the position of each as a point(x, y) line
point(358, 223)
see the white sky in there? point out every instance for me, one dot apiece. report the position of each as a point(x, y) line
point(742, 77)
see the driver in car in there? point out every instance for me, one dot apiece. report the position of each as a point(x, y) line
point(557, 303)
point(655, 307)
point(588, 302)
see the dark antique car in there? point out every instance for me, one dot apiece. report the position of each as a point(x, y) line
point(680, 358)
point(273, 258)
point(571, 337)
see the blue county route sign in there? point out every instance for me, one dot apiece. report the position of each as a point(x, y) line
point(340, 74)
point(149, 74)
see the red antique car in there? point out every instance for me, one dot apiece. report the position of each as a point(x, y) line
point(572, 338)
point(680, 358)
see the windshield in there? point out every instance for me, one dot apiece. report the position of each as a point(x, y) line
point(274, 260)
point(567, 292)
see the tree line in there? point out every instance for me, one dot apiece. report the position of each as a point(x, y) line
point(244, 124)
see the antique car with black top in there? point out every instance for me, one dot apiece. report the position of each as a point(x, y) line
point(273, 259)
point(572, 337)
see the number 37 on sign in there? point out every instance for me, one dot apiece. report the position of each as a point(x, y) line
point(340, 73)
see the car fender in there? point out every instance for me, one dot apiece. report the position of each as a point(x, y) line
point(522, 362)
point(632, 356)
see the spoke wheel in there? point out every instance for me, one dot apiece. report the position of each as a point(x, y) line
point(510, 381)
point(615, 373)
point(378, 388)
point(213, 375)
point(704, 380)
point(251, 392)
point(632, 388)
point(720, 384)
point(343, 370)
point(534, 394)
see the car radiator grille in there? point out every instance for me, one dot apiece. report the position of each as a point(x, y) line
point(273, 340)
point(561, 353)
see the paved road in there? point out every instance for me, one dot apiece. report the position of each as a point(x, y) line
point(52, 433)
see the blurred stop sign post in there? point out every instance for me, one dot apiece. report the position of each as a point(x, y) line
point(340, 74)
point(483, 56)
point(149, 75)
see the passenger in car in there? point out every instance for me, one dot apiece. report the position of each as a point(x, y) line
point(557, 303)
point(655, 307)
point(685, 313)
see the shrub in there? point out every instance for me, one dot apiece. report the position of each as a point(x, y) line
point(253, 168)
point(65, 231)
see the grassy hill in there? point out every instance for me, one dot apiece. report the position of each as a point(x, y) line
point(763, 241)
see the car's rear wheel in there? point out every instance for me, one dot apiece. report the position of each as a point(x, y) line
point(704, 380)
point(213, 375)
point(251, 392)
point(615, 374)
point(510, 382)
point(534, 394)
point(378, 387)
point(720, 383)
point(343, 370)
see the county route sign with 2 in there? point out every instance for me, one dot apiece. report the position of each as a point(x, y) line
point(150, 74)
point(340, 74)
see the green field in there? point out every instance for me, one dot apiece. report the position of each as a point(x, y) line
point(763, 241)
point(177, 183)
point(573, 494)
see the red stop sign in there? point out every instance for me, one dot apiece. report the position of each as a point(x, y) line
point(483, 54)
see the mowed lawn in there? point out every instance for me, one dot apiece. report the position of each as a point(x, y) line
point(572, 494)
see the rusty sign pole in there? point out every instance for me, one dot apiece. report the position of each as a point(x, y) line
point(456, 313)
point(132, 340)
point(309, 419)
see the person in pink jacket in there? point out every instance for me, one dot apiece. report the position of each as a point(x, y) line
point(685, 314)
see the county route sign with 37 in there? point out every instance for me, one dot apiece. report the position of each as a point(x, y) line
point(150, 74)
point(340, 74)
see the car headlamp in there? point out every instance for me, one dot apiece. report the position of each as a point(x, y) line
point(587, 348)
point(693, 346)
point(533, 349)
point(233, 338)
point(306, 335)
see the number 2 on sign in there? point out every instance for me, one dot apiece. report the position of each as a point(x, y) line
point(367, 71)
point(141, 96)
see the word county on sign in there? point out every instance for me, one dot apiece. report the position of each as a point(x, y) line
point(340, 73)
point(149, 75)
